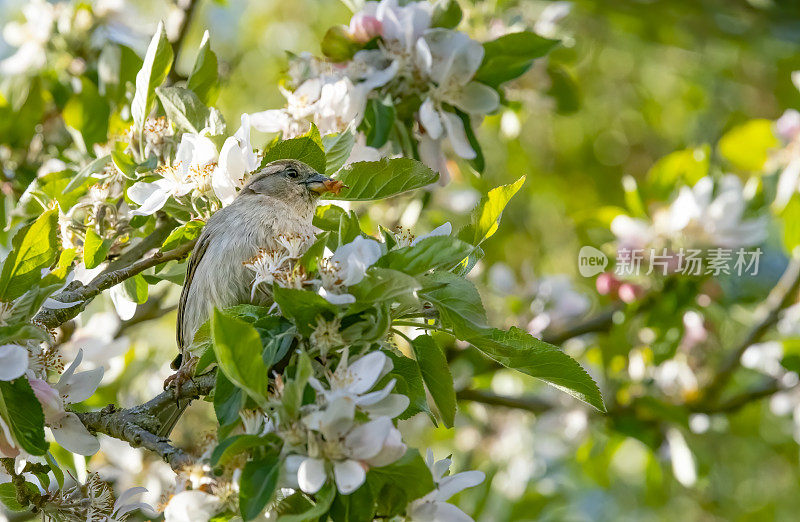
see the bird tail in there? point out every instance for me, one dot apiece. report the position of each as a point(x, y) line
point(169, 415)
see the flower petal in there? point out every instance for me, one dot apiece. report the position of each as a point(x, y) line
point(429, 117)
point(192, 506)
point(13, 361)
point(366, 440)
point(311, 475)
point(72, 435)
point(457, 135)
point(274, 120)
point(363, 373)
point(451, 485)
point(442, 230)
point(393, 448)
point(349, 476)
point(150, 196)
point(475, 98)
point(391, 406)
point(81, 386)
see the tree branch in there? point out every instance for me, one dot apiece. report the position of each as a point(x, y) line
point(138, 425)
point(83, 294)
point(780, 297)
point(531, 404)
point(597, 323)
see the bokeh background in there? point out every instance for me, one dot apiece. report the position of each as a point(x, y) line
point(633, 81)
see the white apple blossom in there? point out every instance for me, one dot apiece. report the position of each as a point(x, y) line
point(67, 428)
point(192, 506)
point(433, 507)
point(30, 38)
point(348, 448)
point(451, 59)
point(347, 267)
point(292, 120)
point(196, 159)
point(355, 380)
point(13, 361)
point(236, 161)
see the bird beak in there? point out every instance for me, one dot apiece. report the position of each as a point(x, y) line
point(322, 184)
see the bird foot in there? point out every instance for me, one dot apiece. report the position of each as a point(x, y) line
point(184, 374)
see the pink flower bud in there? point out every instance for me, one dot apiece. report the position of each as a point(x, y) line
point(606, 283)
point(51, 402)
point(364, 28)
point(629, 293)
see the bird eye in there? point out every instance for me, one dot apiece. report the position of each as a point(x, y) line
point(292, 173)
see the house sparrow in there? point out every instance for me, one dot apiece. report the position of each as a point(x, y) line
point(278, 200)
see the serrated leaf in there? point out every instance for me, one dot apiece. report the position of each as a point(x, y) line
point(236, 444)
point(34, 247)
point(22, 413)
point(95, 248)
point(303, 307)
point(383, 284)
point(428, 254)
point(486, 216)
point(308, 149)
point(460, 307)
point(155, 67)
point(337, 150)
point(238, 348)
point(311, 513)
point(136, 289)
point(8, 495)
point(370, 180)
point(228, 399)
point(510, 56)
point(184, 108)
point(93, 167)
point(257, 484)
point(204, 78)
point(189, 231)
point(436, 375)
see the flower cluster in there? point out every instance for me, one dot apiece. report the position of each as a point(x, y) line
point(400, 59)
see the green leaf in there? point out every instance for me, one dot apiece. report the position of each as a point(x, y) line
point(236, 444)
point(510, 56)
point(34, 247)
point(93, 167)
point(747, 146)
point(486, 216)
point(238, 349)
point(22, 413)
point(204, 78)
point(308, 149)
point(685, 166)
point(8, 495)
point(135, 289)
point(156, 66)
point(189, 231)
point(478, 162)
point(436, 374)
point(428, 254)
point(337, 150)
point(383, 284)
point(790, 219)
point(368, 180)
point(446, 14)
point(324, 498)
point(184, 108)
point(409, 382)
point(337, 44)
point(87, 113)
point(327, 217)
point(124, 163)
point(257, 484)
point(379, 118)
point(55, 468)
point(399, 483)
point(228, 400)
point(461, 309)
point(95, 248)
point(358, 506)
point(303, 307)
point(294, 388)
point(519, 350)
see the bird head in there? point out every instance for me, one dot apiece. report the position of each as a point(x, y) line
point(290, 179)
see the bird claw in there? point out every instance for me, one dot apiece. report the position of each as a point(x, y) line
point(184, 374)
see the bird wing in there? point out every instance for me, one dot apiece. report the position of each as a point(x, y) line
point(197, 255)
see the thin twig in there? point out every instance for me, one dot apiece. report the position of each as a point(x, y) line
point(83, 294)
point(780, 297)
point(597, 323)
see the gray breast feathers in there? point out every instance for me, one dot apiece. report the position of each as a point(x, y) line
point(215, 275)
